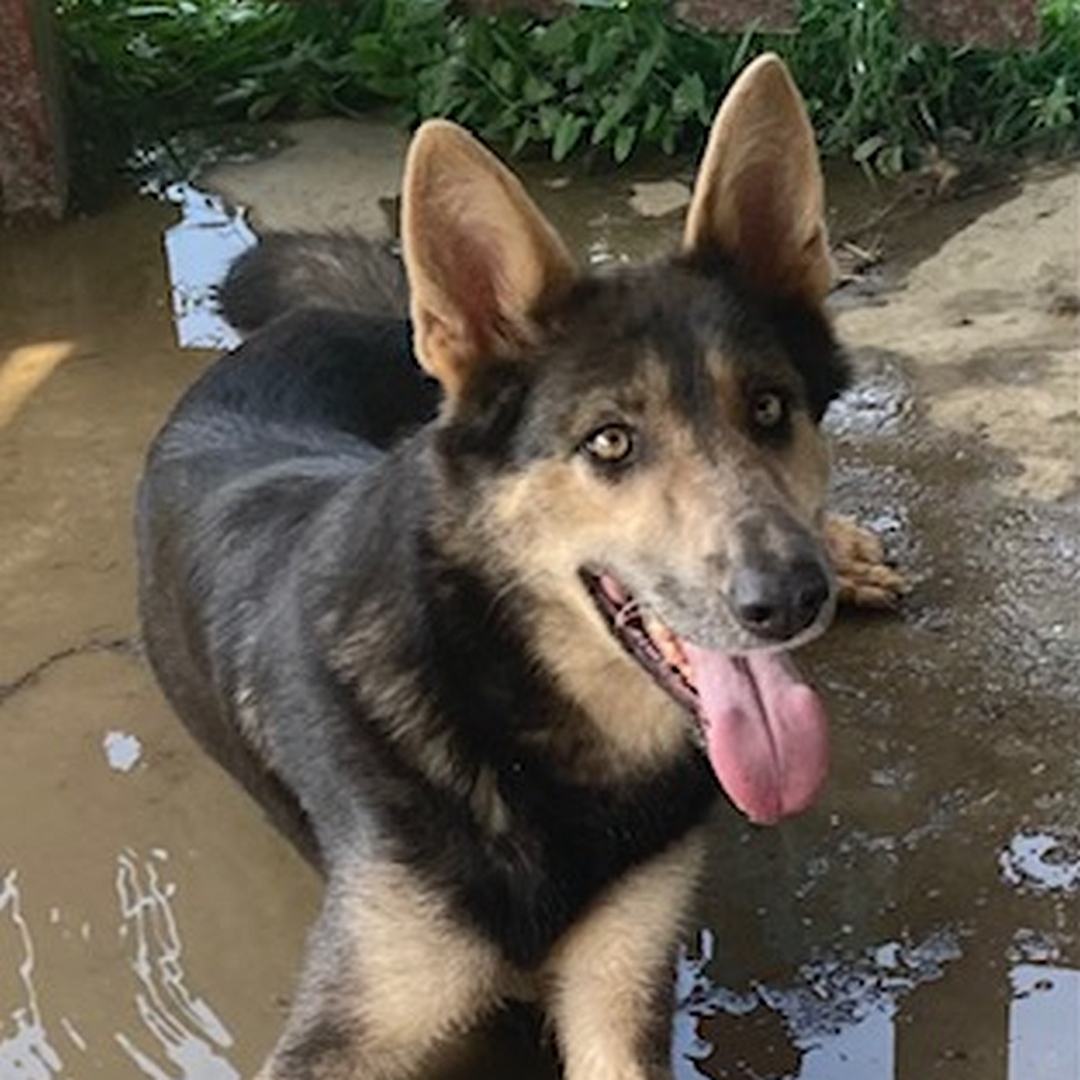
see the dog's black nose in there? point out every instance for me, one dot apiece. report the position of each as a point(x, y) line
point(776, 603)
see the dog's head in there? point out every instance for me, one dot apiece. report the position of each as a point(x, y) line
point(641, 448)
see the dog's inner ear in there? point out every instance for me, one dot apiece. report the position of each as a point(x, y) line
point(759, 196)
point(479, 254)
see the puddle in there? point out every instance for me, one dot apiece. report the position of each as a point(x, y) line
point(175, 1035)
point(209, 237)
point(122, 751)
point(25, 1049)
point(180, 1028)
point(1042, 863)
point(848, 1019)
point(835, 1021)
point(879, 399)
point(922, 921)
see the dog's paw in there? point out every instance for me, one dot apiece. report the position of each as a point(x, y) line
point(864, 579)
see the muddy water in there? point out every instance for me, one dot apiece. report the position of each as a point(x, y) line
point(922, 921)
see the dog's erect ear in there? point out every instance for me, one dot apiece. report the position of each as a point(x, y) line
point(759, 196)
point(479, 254)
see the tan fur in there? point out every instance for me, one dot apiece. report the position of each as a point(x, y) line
point(635, 724)
point(863, 577)
point(602, 978)
point(407, 976)
point(479, 254)
point(401, 929)
point(759, 194)
point(371, 643)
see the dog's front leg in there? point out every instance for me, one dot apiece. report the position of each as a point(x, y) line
point(608, 984)
point(863, 577)
point(388, 975)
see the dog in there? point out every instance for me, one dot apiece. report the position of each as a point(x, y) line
point(488, 635)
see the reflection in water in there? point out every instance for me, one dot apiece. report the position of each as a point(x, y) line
point(876, 404)
point(25, 1050)
point(1042, 863)
point(182, 1037)
point(122, 751)
point(1045, 1010)
point(835, 1021)
point(840, 1019)
point(199, 249)
point(187, 1030)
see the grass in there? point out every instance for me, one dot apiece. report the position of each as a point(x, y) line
point(607, 78)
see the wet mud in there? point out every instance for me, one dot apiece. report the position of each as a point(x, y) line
point(921, 921)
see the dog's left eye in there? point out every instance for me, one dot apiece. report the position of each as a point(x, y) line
point(769, 410)
point(612, 444)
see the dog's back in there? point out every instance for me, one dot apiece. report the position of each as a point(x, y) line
point(252, 454)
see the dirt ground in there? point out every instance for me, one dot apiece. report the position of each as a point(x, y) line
point(923, 921)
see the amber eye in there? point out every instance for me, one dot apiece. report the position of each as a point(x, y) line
point(769, 410)
point(612, 444)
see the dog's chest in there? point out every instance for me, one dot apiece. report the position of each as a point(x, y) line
point(524, 875)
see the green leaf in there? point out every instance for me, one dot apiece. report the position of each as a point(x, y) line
point(502, 75)
point(890, 162)
point(549, 118)
point(567, 134)
point(523, 135)
point(557, 38)
point(624, 142)
point(689, 96)
point(535, 90)
point(648, 60)
point(262, 107)
point(868, 148)
point(602, 55)
point(614, 113)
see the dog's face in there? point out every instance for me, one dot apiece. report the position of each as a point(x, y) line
point(664, 464)
point(642, 449)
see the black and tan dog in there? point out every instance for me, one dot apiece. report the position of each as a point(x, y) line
point(493, 642)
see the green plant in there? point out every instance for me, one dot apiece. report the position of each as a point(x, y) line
point(608, 76)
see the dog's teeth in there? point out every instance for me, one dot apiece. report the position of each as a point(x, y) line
point(668, 645)
point(625, 614)
point(665, 641)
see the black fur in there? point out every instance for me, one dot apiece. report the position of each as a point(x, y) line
point(801, 331)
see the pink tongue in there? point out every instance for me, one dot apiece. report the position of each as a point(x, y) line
point(765, 731)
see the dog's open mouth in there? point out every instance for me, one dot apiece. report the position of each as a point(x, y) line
point(764, 728)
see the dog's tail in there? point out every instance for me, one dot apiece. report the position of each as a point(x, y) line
point(285, 271)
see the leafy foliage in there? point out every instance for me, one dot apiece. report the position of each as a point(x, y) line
point(600, 76)
point(608, 76)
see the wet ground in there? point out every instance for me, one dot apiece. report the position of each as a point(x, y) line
point(922, 921)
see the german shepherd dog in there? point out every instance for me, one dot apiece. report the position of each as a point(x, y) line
point(490, 634)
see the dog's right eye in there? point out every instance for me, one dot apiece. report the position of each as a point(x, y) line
point(769, 410)
point(613, 444)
